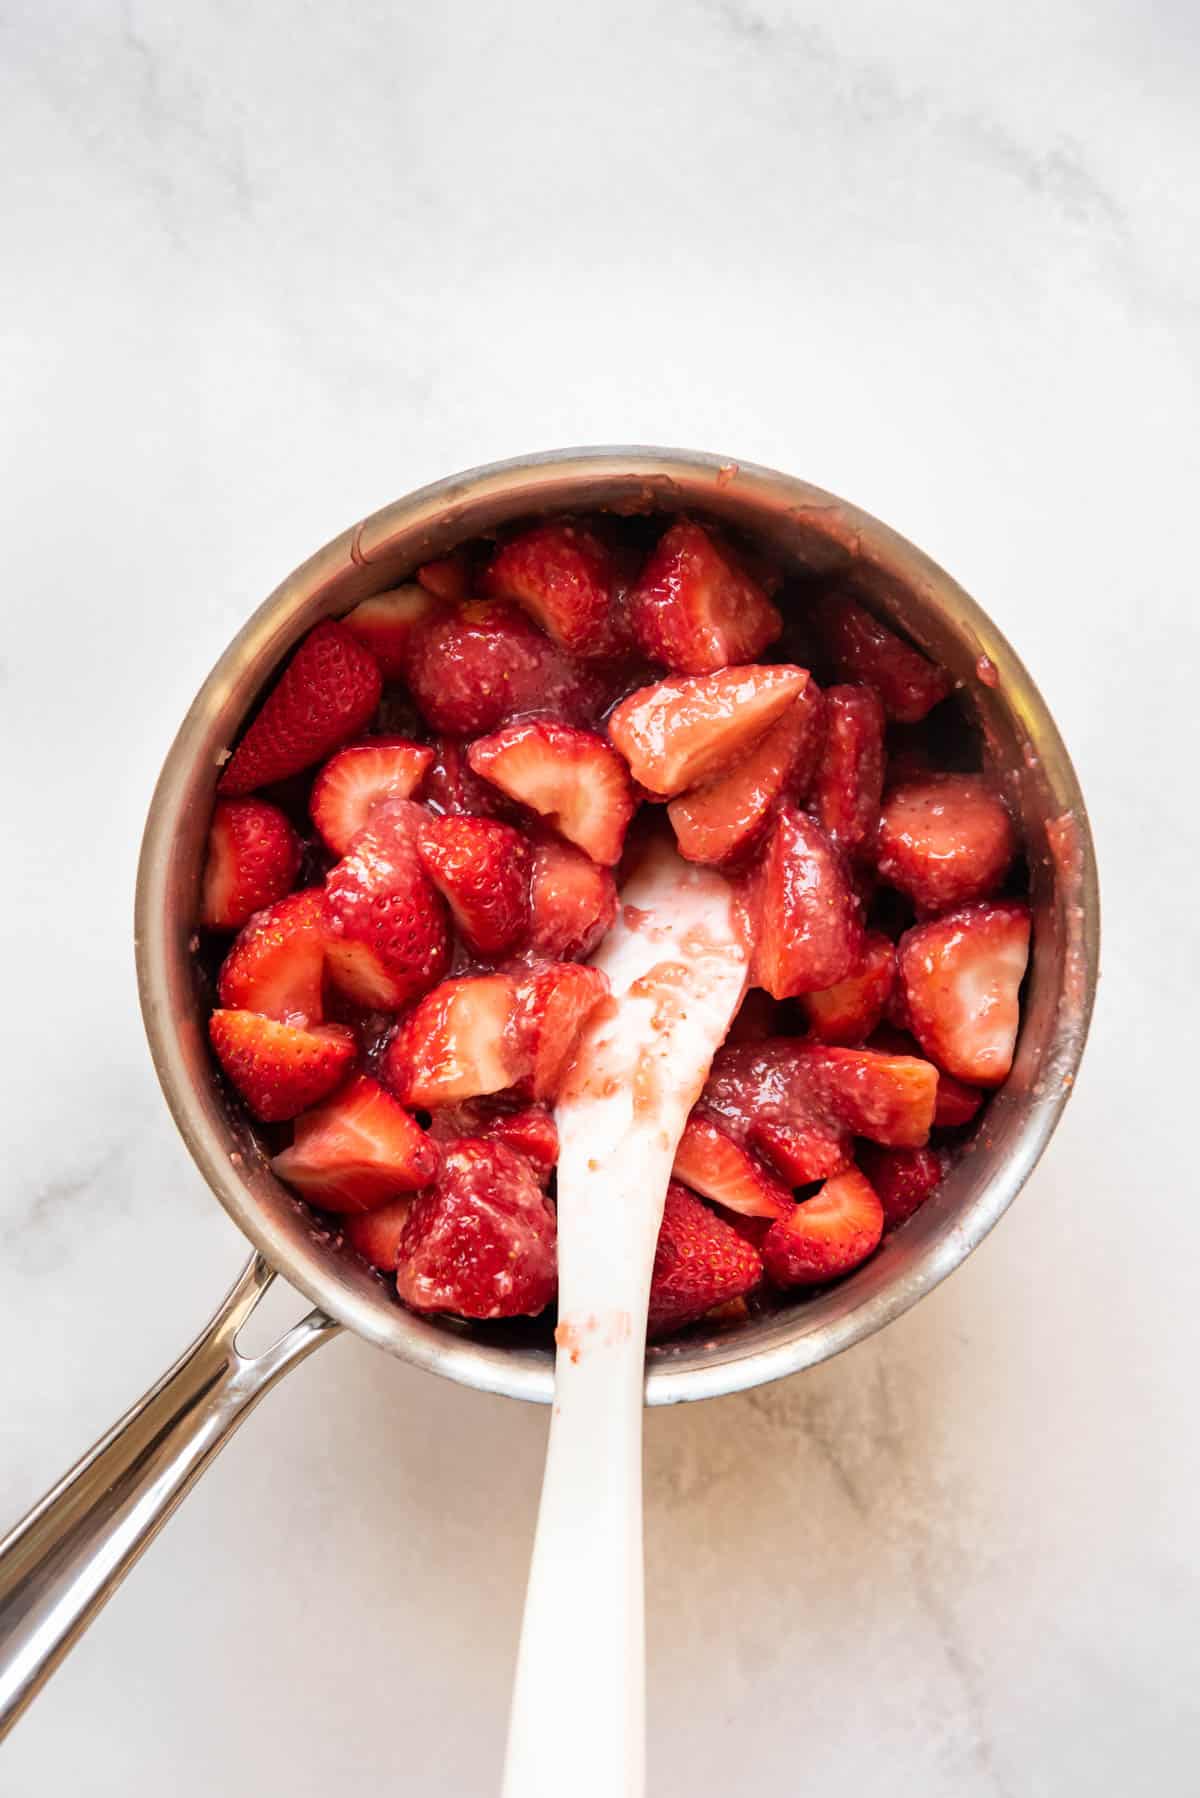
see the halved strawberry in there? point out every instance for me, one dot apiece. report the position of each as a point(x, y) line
point(563, 577)
point(385, 624)
point(681, 732)
point(280, 1069)
point(863, 649)
point(482, 869)
point(712, 1164)
point(277, 960)
point(826, 1236)
point(571, 777)
point(471, 669)
point(353, 781)
point(945, 840)
point(453, 790)
point(572, 901)
point(449, 577)
point(956, 1102)
point(325, 695)
point(252, 859)
point(695, 610)
point(849, 778)
point(387, 936)
point(806, 917)
point(723, 820)
point(961, 976)
point(357, 1150)
point(481, 1241)
point(375, 1235)
point(903, 1178)
point(530, 1130)
point(700, 1261)
point(553, 1005)
point(848, 1012)
point(458, 1042)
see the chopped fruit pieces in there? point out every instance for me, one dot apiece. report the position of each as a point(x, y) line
point(961, 977)
point(481, 1241)
point(681, 732)
point(561, 575)
point(805, 916)
point(700, 1261)
point(849, 777)
point(553, 1005)
point(357, 1150)
point(353, 782)
point(725, 819)
point(280, 1069)
point(453, 790)
point(386, 622)
point(447, 578)
point(801, 1153)
point(531, 1131)
point(458, 1042)
point(572, 901)
point(694, 611)
point(848, 1012)
point(945, 840)
point(481, 868)
point(826, 1236)
point(387, 937)
point(863, 649)
point(903, 1179)
point(571, 777)
point(253, 857)
point(277, 959)
point(325, 695)
point(957, 1102)
point(375, 1235)
point(471, 669)
point(712, 1164)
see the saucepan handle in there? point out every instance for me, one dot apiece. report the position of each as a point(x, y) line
point(62, 1561)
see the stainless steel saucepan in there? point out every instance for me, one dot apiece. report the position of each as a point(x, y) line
point(60, 1564)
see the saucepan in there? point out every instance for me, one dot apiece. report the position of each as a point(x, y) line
point(61, 1563)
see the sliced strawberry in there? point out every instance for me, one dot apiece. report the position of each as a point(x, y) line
point(572, 902)
point(806, 917)
point(471, 669)
point(385, 624)
point(325, 695)
point(712, 1164)
point(848, 1012)
point(682, 732)
point(375, 1235)
point(945, 840)
point(553, 1005)
point(724, 820)
point(353, 782)
point(957, 1103)
point(863, 649)
point(801, 1153)
point(694, 610)
point(449, 577)
point(453, 790)
point(903, 1178)
point(458, 1042)
point(482, 870)
point(252, 859)
point(277, 959)
point(387, 934)
point(357, 1150)
point(531, 1130)
point(700, 1261)
point(563, 577)
point(826, 1236)
point(280, 1069)
point(571, 777)
point(961, 976)
point(481, 1241)
point(849, 778)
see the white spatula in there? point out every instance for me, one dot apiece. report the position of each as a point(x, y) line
point(677, 967)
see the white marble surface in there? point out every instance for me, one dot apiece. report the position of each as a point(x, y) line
point(266, 267)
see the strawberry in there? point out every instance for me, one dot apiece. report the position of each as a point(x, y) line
point(458, 1042)
point(280, 1069)
point(849, 778)
point(945, 840)
point(806, 918)
point(903, 1178)
point(553, 1005)
point(449, 577)
point(482, 870)
point(694, 610)
point(471, 669)
point(848, 1012)
point(387, 937)
point(252, 859)
point(277, 959)
point(357, 1150)
point(375, 1235)
point(700, 1261)
point(956, 1103)
point(531, 1130)
point(481, 1241)
point(961, 977)
point(385, 624)
point(826, 1236)
point(562, 576)
point(682, 732)
point(801, 1153)
point(452, 790)
point(862, 649)
point(325, 695)
point(572, 902)
point(353, 781)
point(712, 1164)
point(572, 777)
point(724, 820)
